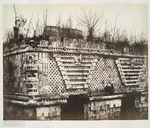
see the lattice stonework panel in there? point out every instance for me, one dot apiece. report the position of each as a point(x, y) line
point(104, 73)
point(53, 82)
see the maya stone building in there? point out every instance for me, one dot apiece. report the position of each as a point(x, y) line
point(65, 78)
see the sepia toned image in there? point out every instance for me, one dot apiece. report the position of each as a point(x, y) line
point(75, 62)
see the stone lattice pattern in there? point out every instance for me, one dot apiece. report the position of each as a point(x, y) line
point(104, 73)
point(54, 77)
point(51, 81)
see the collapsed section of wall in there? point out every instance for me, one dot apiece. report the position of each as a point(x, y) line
point(12, 74)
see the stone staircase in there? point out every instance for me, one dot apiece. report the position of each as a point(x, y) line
point(131, 70)
point(75, 69)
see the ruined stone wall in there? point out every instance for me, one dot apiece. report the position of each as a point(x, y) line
point(48, 113)
point(12, 73)
point(103, 110)
point(141, 105)
point(32, 73)
point(44, 72)
point(5, 74)
point(74, 42)
point(18, 112)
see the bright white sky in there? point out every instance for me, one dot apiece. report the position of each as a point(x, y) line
point(130, 15)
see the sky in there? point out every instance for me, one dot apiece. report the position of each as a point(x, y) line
point(132, 17)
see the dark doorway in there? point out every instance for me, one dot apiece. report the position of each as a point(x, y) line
point(128, 109)
point(74, 109)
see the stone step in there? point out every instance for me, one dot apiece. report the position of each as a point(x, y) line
point(125, 77)
point(122, 65)
point(83, 63)
point(130, 70)
point(130, 78)
point(70, 77)
point(126, 81)
point(73, 64)
point(76, 66)
point(65, 58)
point(138, 60)
point(76, 80)
point(77, 69)
point(123, 59)
point(129, 73)
point(88, 56)
point(129, 61)
point(123, 62)
point(132, 84)
point(75, 87)
point(132, 65)
point(137, 63)
point(74, 74)
point(75, 83)
point(129, 66)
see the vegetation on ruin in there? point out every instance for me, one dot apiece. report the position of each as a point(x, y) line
point(91, 20)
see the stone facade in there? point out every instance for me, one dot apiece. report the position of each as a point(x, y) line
point(142, 105)
point(44, 71)
point(18, 112)
point(103, 110)
point(48, 113)
point(33, 73)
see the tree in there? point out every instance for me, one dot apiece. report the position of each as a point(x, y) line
point(91, 19)
point(69, 22)
point(45, 16)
